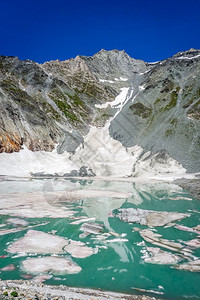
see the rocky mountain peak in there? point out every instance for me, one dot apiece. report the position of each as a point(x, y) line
point(59, 101)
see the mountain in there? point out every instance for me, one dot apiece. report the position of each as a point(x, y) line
point(108, 114)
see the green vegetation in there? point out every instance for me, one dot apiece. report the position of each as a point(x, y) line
point(61, 100)
point(50, 110)
point(174, 121)
point(173, 102)
point(14, 294)
point(168, 132)
point(195, 96)
point(5, 293)
point(141, 110)
point(17, 94)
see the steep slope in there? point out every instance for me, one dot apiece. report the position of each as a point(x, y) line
point(41, 110)
point(163, 114)
point(113, 114)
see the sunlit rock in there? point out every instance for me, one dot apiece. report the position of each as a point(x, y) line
point(149, 217)
point(38, 242)
point(55, 265)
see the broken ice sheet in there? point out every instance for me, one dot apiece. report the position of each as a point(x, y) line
point(155, 239)
point(44, 243)
point(92, 227)
point(41, 278)
point(10, 267)
point(17, 229)
point(17, 222)
point(158, 256)
point(186, 228)
point(38, 242)
point(78, 249)
point(149, 217)
point(193, 266)
point(55, 265)
point(194, 243)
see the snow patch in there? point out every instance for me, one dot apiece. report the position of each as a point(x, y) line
point(121, 79)
point(104, 80)
point(119, 100)
point(24, 162)
point(186, 57)
point(141, 88)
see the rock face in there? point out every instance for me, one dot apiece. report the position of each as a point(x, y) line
point(57, 102)
point(166, 109)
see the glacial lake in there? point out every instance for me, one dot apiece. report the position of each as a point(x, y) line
point(121, 258)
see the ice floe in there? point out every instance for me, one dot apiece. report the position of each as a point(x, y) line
point(149, 217)
point(194, 243)
point(17, 229)
point(186, 228)
point(193, 266)
point(10, 267)
point(55, 265)
point(38, 242)
point(78, 249)
point(17, 222)
point(155, 239)
point(90, 228)
point(158, 256)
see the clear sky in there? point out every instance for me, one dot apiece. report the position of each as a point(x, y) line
point(151, 30)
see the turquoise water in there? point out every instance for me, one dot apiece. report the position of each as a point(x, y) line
point(120, 267)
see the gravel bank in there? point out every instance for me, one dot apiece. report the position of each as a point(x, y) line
point(27, 290)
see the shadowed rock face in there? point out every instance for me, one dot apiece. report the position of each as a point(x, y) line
point(54, 103)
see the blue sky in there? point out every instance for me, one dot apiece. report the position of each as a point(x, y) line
point(60, 29)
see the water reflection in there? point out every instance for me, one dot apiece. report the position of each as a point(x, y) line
point(120, 246)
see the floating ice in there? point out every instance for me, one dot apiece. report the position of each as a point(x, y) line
point(55, 265)
point(159, 256)
point(10, 267)
point(78, 249)
point(149, 217)
point(193, 266)
point(17, 221)
point(38, 242)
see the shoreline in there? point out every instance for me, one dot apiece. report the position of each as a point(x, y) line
point(171, 178)
point(30, 290)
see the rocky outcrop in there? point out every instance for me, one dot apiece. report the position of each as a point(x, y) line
point(10, 143)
